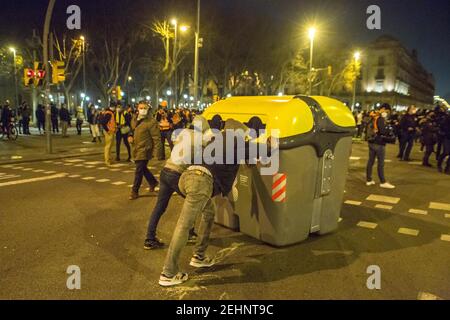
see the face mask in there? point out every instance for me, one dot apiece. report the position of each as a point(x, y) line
point(143, 112)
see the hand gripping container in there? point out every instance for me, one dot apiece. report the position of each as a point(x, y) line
point(305, 195)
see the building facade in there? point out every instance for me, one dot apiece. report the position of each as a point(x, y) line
point(390, 73)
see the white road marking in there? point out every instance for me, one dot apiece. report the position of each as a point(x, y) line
point(387, 160)
point(18, 168)
point(8, 166)
point(118, 183)
point(118, 165)
point(383, 206)
point(380, 198)
point(9, 177)
point(88, 178)
point(27, 169)
point(75, 160)
point(2, 173)
point(102, 168)
point(128, 171)
point(418, 211)
point(58, 162)
point(103, 180)
point(368, 225)
point(353, 203)
point(49, 172)
point(94, 162)
point(74, 176)
point(89, 167)
point(38, 170)
point(68, 164)
point(447, 215)
point(445, 237)
point(355, 158)
point(427, 296)
point(48, 161)
point(11, 183)
point(130, 186)
point(407, 231)
point(415, 163)
point(440, 206)
point(114, 170)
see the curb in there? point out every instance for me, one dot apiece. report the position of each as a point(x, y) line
point(57, 157)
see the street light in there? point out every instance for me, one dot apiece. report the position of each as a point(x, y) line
point(311, 34)
point(356, 57)
point(13, 50)
point(169, 93)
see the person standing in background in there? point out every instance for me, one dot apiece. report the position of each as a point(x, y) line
point(408, 127)
point(108, 123)
point(80, 120)
point(123, 124)
point(64, 116)
point(54, 118)
point(40, 118)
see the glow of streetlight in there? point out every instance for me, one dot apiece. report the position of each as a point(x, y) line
point(174, 22)
point(184, 28)
point(229, 95)
point(169, 93)
point(87, 98)
point(148, 98)
point(82, 38)
point(357, 55)
point(83, 95)
point(133, 100)
point(185, 96)
point(13, 50)
point(130, 78)
point(312, 33)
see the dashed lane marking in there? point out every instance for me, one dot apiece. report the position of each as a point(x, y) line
point(380, 198)
point(89, 167)
point(447, 215)
point(93, 162)
point(355, 158)
point(16, 182)
point(383, 206)
point(68, 164)
point(18, 168)
point(8, 166)
point(368, 225)
point(353, 203)
point(27, 169)
point(114, 170)
point(49, 172)
point(102, 168)
point(440, 206)
point(445, 237)
point(118, 183)
point(11, 176)
point(103, 180)
point(128, 171)
point(75, 176)
point(418, 211)
point(74, 160)
point(58, 162)
point(78, 165)
point(38, 170)
point(118, 165)
point(88, 178)
point(407, 231)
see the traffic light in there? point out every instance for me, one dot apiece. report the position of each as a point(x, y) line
point(28, 76)
point(39, 74)
point(200, 42)
point(58, 72)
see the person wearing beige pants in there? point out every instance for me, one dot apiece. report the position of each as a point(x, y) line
point(109, 139)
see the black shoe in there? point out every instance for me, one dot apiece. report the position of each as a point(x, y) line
point(192, 237)
point(94, 140)
point(133, 196)
point(153, 244)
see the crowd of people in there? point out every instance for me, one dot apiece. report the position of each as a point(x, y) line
point(429, 128)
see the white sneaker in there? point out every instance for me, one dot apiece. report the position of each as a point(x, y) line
point(206, 262)
point(370, 183)
point(387, 185)
point(179, 278)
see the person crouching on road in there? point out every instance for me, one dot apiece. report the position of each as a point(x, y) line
point(146, 139)
point(200, 183)
point(108, 123)
point(377, 133)
point(169, 179)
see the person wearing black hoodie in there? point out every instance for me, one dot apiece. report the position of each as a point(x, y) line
point(445, 129)
point(408, 128)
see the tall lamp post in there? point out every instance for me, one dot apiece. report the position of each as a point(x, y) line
point(356, 57)
point(84, 68)
point(311, 35)
point(174, 61)
point(197, 37)
point(13, 50)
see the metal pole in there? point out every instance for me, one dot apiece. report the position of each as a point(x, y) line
point(197, 36)
point(175, 65)
point(311, 65)
point(354, 87)
point(15, 83)
point(84, 74)
point(48, 18)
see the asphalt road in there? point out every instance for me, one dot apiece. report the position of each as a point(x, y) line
point(83, 218)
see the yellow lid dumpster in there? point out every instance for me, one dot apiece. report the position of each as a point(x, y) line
point(306, 193)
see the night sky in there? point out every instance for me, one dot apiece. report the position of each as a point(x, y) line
point(420, 24)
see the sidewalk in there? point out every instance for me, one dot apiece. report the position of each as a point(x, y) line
point(33, 148)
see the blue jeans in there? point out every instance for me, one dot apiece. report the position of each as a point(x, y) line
point(379, 152)
point(168, 185)
point(198, 189)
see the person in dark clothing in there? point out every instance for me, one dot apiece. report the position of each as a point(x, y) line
point(64, 116)
point(408, 127)
point(377, 146)
point(40, 117)
point(26, 119)
point(54, 118)
point(123, 122)
point(440, 119)
point(429, 137)
point(6, 116)
point(445, 129)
